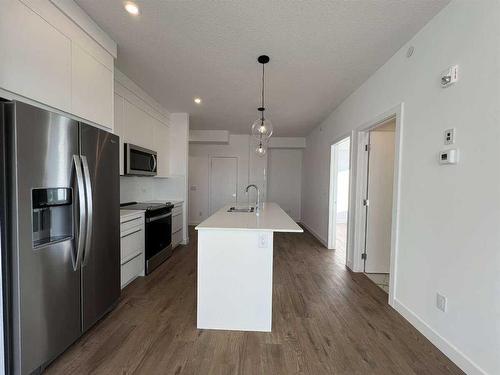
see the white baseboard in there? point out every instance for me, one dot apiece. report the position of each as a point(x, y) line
point(452, 352)
point(318, 237)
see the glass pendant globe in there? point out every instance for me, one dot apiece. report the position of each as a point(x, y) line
point(262, 129)
point(261, 149)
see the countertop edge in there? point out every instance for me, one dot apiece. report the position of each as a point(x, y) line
point(281, 230)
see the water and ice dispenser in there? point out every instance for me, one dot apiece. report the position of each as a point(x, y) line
point(52, 215)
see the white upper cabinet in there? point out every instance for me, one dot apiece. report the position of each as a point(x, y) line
point(92, 88)
point(141, 121)
point(35, 58)
point(48, 58)
point(162, 134)
point(138, 126)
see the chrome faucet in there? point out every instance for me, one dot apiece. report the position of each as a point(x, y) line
point(257, 204)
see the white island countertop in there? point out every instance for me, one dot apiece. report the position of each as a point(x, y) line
point(271, 218)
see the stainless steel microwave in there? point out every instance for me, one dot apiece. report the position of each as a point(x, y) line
point(140, 161)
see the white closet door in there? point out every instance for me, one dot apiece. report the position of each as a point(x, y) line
point(223, 182)
point(379, 218)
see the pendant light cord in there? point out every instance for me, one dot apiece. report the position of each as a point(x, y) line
point(263, 82)
point(262, 94)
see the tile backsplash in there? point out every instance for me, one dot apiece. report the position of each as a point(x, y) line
point(151, 188)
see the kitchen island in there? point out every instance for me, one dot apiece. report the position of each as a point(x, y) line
point(235, 268)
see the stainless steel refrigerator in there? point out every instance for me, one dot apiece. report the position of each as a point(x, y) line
point(59, 209)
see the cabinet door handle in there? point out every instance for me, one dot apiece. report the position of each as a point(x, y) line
point(131, 233)
point(129, 220)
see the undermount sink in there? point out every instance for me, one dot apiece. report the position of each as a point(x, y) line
point(241, 209)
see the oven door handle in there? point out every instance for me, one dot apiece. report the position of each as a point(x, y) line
point(155, 218)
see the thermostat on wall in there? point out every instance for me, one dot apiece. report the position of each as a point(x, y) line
point(449, 76)
point(448, 156)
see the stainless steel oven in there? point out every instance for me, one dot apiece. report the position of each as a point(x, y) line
point(158, 237)
point(158, 231)
point(140, 161)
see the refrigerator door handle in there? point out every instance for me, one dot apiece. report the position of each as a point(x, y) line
point(88, 191)
point(82, 213)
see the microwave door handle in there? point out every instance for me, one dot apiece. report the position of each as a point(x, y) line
point(89, 196)
point(82, 213)
point(155, 163)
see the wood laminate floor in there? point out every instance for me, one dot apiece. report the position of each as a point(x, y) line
point(326, 320)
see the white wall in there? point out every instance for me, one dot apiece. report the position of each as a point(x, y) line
point(284, 183)
point(449, 236)
point(151, 188)
point(251, 170)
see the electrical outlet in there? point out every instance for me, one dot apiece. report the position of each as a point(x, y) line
point(441, 302)
point(263, 240)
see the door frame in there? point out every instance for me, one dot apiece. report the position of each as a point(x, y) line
point(210, 157)
point(362, 133)
point(332, 220)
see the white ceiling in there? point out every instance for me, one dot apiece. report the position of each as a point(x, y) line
point(321, 51)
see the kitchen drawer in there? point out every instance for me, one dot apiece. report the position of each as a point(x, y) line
point(129, 223)
point(176, 238)
point(132, 269)
point(177, 210)
point(131, 243)
point(176, 223)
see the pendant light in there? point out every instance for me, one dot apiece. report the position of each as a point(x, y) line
point(261, 149)
point(262, 128)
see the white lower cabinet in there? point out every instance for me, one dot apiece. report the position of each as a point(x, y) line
point(177, 224)
point(131, 270)
point(132, 246)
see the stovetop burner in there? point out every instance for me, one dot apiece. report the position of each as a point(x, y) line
point(145, 206)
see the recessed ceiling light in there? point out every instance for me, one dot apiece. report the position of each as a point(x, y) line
point(197, 100)
point(132, 8)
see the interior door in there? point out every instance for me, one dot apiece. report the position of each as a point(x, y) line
point(101, 262)
point(46, 286)
point(379, 214)
point(223, 182)
point(332, 224)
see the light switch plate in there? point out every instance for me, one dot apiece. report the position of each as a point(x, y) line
point(449, 136)
point(441, 302)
